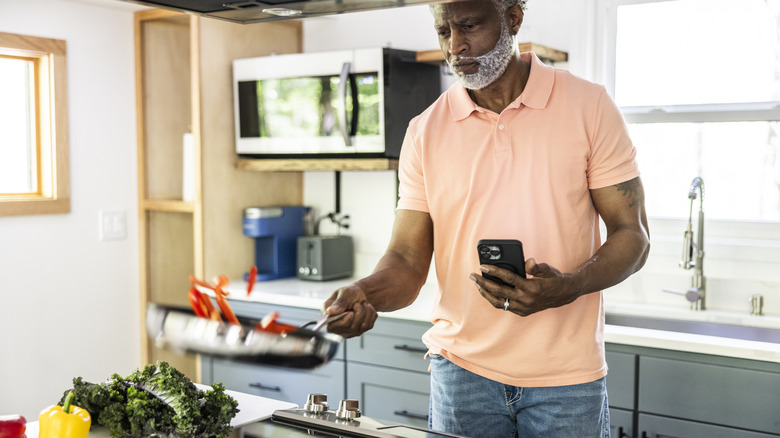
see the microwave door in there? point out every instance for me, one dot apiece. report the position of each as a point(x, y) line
point(299, 115)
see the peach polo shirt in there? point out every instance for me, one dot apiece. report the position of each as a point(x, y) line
point(523, 174)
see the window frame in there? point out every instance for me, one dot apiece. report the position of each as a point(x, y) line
point(53, 196)
point(726, 230)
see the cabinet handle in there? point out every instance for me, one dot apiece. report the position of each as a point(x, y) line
point(411, 348)
point(265, 387)
point(408, 414)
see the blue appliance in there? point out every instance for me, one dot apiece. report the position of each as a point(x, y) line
point(276, 231)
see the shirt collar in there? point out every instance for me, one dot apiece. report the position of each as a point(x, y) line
point(535, 95)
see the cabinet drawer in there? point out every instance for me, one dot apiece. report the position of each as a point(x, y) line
point(287, 315)
point(290, 385)
point(391, 343)
point(621, 423)
point(651, 426)
point(717, 394)
point(390, 394)
point(621, 379)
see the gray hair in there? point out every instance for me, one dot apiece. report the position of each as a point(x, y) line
point(503, 4)
point(509, 3)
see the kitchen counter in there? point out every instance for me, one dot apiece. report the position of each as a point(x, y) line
point(309, 294)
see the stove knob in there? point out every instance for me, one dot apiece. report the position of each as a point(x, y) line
point(348, 409)
point(316, 403)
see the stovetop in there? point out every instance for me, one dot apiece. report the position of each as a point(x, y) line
point(316, 419)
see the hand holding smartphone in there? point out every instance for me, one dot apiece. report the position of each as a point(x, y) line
point(506, 254)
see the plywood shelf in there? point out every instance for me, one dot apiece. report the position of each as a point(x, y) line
point(277, 164)
point(170, 205)
point(543, 52)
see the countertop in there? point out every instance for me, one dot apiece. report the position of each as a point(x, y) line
point(311, 294)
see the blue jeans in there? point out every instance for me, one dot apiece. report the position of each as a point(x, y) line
point(466, 404)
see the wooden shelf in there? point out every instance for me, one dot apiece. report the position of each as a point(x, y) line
point(544, 53)
point(170, 205)
point(289, 165)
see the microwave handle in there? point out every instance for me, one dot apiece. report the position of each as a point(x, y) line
point(355, 105)
point(344, 77)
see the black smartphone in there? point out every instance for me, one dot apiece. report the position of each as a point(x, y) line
point(506, 254)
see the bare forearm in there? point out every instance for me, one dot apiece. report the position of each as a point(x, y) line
point(395, 282)
point(623, 254)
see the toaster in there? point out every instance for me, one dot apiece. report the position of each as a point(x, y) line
point(325, 257)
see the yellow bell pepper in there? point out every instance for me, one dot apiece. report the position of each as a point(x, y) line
point(66, 421)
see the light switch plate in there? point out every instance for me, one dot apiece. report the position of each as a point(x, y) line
point(112, 225)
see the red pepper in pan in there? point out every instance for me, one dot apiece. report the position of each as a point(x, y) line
point(195, 282)
point(269, 324)
point(250, 281)
point(213, 313)
point(196, 303)
point(200, 302)
point(224, 307)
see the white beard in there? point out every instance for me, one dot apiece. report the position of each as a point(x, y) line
point(491, 65)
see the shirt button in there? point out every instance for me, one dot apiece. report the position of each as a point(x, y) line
point(500, 127)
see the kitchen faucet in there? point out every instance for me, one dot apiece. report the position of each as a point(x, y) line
point(693, 253)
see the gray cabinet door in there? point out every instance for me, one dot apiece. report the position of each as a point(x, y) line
point(651, 426)
point(621, 379)
point(286, 384)
point(391, 343)
point(621, 423)
point(724, 395)
point(390, 394)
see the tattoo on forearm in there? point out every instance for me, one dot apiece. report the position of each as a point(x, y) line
point(631, 189)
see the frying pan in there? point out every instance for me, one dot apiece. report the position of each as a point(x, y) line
point(183, 332)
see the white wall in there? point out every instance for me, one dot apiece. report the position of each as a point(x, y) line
point(69, 301)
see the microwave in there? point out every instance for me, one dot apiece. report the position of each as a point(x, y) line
point(349, 103)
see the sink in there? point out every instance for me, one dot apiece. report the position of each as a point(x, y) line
point(762, 334)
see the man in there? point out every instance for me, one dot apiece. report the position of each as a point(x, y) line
point(516, 150)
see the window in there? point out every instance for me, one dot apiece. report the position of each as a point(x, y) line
point(698, 82)
point(33, 126)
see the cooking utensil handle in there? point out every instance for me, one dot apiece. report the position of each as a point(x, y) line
point(343, 79)
point(322, 321)
point(265, 387)
point(408, 414)
point(411, 348)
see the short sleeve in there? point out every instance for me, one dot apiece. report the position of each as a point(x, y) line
point(613, 155)
point(411, 189)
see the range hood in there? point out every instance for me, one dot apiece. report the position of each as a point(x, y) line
point(253, 11)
